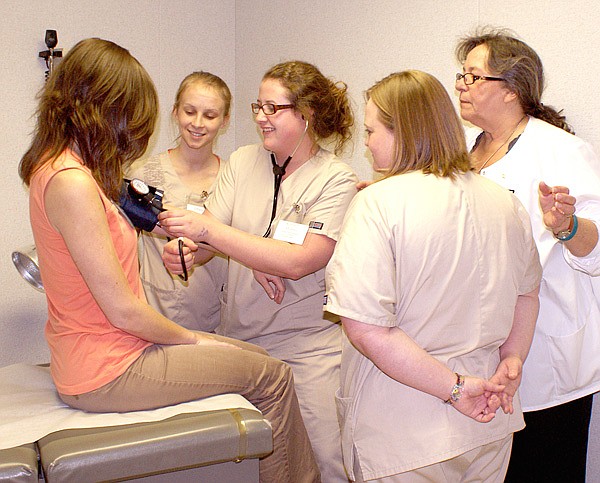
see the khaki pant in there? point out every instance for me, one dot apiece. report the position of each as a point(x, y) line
point(170, 374)
point(317, 377)
point(485, 464)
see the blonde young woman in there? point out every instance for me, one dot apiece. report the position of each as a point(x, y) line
point(435, 277)
point(187, 174)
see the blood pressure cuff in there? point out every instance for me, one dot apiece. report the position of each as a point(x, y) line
point(142, 211)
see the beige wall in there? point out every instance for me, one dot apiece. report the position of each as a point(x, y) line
point(170, 38)
point(356, 41)
point(361, 41)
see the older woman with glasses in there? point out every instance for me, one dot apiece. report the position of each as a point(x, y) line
point(528, 148)
point(276, 211)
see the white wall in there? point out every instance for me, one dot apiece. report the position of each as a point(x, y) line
point(361, 41)
point(169, 37)
point(356, 41)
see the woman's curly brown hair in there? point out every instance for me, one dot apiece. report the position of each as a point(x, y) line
point(317, 98)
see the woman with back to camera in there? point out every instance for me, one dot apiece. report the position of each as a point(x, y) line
point(187, 175)
point(277, 209)
point(528, 148)
point(110, 351)
point(435, 277)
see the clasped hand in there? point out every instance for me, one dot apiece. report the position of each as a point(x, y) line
point(481, 399)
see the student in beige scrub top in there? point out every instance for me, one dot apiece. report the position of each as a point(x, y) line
point(280, 238)
point(435, 277)
point(187, 175)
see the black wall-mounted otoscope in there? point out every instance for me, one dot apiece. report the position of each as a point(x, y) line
point(52, 52)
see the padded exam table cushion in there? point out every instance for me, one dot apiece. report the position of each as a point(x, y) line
point(19, 465)
point(139, 450)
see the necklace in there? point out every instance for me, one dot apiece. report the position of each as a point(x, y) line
point(503, 144)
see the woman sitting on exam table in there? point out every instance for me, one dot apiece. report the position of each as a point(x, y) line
point(110, 351)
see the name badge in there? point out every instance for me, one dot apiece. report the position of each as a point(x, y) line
point(196, 208)
point(290, 232)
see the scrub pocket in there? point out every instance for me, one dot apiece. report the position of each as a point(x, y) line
point(345, 413)
point(572, 357)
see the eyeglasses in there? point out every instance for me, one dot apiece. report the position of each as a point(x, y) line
point(469, 78)
point(269, 109)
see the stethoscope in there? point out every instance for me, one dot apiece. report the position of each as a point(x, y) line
point(279, 172)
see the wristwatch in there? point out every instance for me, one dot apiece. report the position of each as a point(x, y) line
point(566, 235)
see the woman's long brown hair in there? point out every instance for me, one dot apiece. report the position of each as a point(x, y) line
point(100, 101)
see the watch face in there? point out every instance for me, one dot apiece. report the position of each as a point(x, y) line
point(564, 234)
point(139, 187)
point(567, 234)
